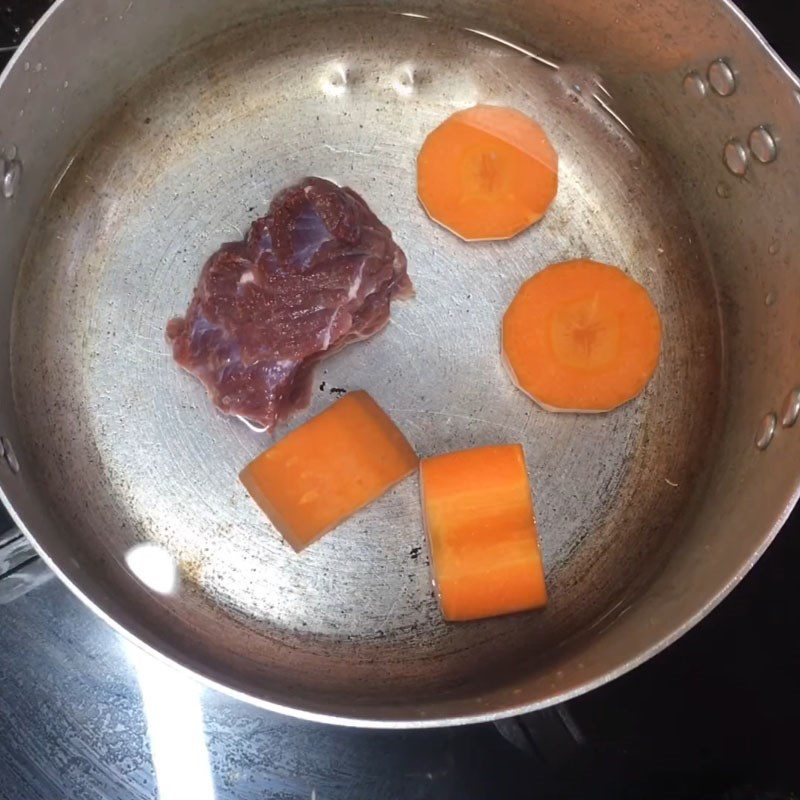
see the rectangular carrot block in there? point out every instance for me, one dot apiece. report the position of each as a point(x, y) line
point(482, 532)
point(327, 469)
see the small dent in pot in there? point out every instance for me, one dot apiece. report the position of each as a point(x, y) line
point(403, 81)
point(334, 84)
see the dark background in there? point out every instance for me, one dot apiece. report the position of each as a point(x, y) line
point(715, 716)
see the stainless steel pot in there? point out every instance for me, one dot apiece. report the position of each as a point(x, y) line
point(138, 135)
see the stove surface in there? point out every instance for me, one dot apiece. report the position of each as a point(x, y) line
point(85, 716)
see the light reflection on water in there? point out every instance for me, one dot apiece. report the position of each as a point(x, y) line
point(154, 566)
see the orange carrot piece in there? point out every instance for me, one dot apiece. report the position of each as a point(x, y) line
point(487, 172)
point(482, 532)
point(327, 469)
point(581, 336)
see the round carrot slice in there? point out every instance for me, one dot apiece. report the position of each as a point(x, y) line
point(487, 172)
point(581, 336)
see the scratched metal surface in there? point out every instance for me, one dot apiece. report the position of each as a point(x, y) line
point(128, 449)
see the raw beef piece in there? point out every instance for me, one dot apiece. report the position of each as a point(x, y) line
point(317, 273)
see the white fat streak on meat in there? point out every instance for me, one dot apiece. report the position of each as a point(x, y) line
point(356, 284)
point(247, 277)
point(352, 294)
point(326, 337)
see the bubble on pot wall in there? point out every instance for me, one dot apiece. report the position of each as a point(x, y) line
point(721, 77)
point(694, 86)
point(735, 157)
point(12, 172)
point(8, 455)
point(762, 145)
point(790, 410)
point(766, 430)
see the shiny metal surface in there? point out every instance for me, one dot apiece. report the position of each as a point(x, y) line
point(654, 510)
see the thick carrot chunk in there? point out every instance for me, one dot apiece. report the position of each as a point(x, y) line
point(327, 469)
point(482, 532)
point(581, 336)
point(487, 172)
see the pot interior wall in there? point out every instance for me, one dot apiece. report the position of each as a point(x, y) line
point(652, 510)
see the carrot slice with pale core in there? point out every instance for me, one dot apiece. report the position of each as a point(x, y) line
point(581, 336)
point(482, 532)
point(487, 172)
point(327, 469)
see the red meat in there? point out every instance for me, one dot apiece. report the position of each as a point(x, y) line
point(317, 273)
